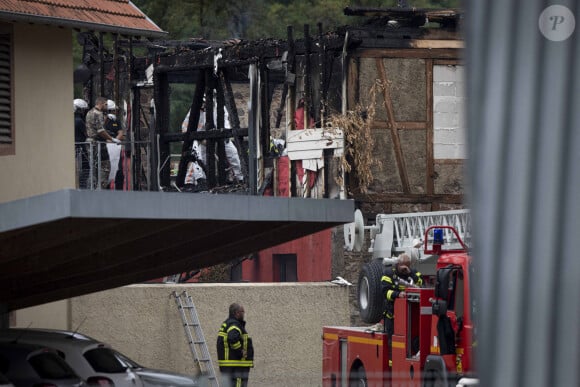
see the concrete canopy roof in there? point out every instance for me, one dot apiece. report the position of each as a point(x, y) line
point(114, 16)
point(73, 242)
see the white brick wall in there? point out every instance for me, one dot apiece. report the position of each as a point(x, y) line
point(449, 112)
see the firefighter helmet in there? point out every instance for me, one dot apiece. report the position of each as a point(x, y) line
point(111, 105)
point(80, 104)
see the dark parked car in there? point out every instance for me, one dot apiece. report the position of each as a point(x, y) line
point(92, 360)
point(98, 362)
point(26, 365)
point(4, 382)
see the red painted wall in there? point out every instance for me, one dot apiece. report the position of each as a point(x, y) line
point(313, 260)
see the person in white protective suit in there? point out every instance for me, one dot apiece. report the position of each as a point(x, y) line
point(199, 151)
point(115, 150)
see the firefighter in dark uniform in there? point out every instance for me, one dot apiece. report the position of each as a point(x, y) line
point(234, 348)
point(394, 281)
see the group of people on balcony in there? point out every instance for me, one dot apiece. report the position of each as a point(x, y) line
point(98, 149)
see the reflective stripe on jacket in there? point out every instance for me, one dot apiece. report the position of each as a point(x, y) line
point(232, 342)
point(392, 285)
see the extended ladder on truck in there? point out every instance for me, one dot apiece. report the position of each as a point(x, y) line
point(393, 234)
point(195, 337)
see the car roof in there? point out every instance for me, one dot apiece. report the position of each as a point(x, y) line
point(53, 336)
point(46, 332)
point(23, 349)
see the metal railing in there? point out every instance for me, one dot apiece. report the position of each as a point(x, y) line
point(93, 165)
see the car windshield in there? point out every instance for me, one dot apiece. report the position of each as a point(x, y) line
point(104, 360)
point(49, 365)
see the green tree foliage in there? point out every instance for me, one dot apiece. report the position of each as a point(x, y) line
point(255, 19)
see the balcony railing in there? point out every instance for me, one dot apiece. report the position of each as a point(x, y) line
point(309, 166)
point(124, 166)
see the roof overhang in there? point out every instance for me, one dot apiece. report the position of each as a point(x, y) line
point(73, 242)
point(79, 24)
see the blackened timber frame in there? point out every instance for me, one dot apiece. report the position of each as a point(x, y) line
point(210, 83)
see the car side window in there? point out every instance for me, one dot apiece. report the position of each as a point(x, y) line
point(49, 365)
point(104, 360)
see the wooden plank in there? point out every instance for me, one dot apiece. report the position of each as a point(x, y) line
point(442, 53)
point(392, 125)
point(448, 62)
point(310, 143)
point(305, 154)
point(450, 161)
point(315, 145)
point(431, 44)
point(312, 154)
point(314, 134)
point(409, 125)
point(352, 90)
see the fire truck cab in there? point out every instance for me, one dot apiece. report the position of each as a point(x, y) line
point(433, 339)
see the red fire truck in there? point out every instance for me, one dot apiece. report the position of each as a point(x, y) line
point(434, 334)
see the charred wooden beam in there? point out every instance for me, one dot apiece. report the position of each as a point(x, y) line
point(448, 18)
point(211, 172)
point(206, 64)
point(393, 126)
point(264, 138)
point(291, 76)
point(101, 66)
point(204, 135)
point(308, 100)
point(194, 113)
point(221, 150)
point(161, 98)
point(230, 103)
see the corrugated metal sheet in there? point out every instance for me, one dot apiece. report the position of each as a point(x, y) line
point(92, 14)
point(524, 121)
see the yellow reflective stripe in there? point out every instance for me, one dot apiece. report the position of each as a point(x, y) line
point(419, 279)
point(363, 340)
point(237, 345)
point(234, 327)
point(390, 295)
point(236, 363)
point(330, 336)
point(387, 279)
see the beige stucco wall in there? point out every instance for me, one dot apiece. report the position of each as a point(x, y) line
point(53, 315)
point(284, 319)
point(43, 114)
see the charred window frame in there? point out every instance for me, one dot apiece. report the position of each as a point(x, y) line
point(6, 91)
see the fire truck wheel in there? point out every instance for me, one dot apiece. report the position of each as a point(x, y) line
point(358, 377)
point(370, 299)
point(434, 378)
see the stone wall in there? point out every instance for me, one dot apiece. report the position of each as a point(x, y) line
point(284, 319)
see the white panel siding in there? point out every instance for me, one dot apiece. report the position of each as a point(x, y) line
point(448, 112)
